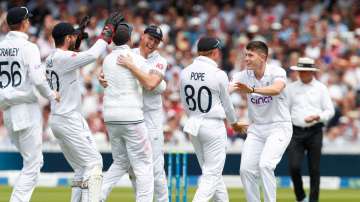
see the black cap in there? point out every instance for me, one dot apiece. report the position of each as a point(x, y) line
point(154, 31)
point(208, 43)
point(122, 34)
point(17, 14)
point(63, 29)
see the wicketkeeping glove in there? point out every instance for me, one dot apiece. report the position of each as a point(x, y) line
point(83, 35)
point(110, 26)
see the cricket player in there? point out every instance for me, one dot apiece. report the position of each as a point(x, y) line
point(124, 118)
point(270, 130)
point(21, 70)
point(66, 120)
point(153, 85)
point(204, 95)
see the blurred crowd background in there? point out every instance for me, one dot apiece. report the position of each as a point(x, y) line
point(325, 30)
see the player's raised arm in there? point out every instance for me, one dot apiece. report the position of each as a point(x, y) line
point(78, 60)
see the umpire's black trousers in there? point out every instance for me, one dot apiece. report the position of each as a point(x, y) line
point(306, 139)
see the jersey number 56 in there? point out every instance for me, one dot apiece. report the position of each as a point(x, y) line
point(13, 77)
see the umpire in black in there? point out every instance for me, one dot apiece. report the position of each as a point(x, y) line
point(310, 107)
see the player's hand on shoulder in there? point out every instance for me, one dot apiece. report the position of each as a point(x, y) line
point(240, 127)
point(125, 61)
point(241, 88)
point(102, 80)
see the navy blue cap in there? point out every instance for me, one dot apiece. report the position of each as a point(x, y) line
point(154, 31)
point(17, 14)
point(63, 29)
point(208, 43)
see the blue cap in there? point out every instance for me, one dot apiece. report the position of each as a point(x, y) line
point(208, 43)
point(154, 31)
point(63, 29)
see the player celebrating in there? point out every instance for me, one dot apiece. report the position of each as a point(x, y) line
point(21, 70)
point(123, 115)
point(66, 121)
point(204, 94)
point(152, 81)
point(270, 131)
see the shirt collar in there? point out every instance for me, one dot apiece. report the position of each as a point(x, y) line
point(153, 54)
point(312, 82)
point(267, 71)
point(18, 34)
point(206, 60)
point(122, 47)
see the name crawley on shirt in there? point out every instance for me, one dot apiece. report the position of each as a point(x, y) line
point(9, 52)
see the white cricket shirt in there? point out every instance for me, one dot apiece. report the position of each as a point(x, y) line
point(20, 70)
point(309, 99)
point(123, 99)
point(154, 61)
point(265, 109)
point(204, 90)
point(62, 72)
point(20, 65)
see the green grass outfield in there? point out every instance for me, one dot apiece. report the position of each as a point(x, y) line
point(62, 194)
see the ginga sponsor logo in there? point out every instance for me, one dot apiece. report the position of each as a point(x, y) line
point(261, 100)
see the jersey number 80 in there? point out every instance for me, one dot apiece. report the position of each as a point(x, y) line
point(192, 103)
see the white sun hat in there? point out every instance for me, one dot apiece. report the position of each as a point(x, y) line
point(305, 64)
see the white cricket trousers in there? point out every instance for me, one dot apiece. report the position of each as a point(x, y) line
point(130, 146)
point(262, 151)
point(210, 149)
point(78, 146)
point(29, 144)
point(154, 125)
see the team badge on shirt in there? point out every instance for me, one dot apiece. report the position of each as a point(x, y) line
point(159, 66)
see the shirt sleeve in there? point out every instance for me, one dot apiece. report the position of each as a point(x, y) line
point(14, 97)
point(160, 88)
point(78, 60)
point(279, 75)
point(36, 71)
point(326, 105)
point(225, 97)
point(160, 66)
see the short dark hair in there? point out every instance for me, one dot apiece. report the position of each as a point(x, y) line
point(15, 27)
point(59, 41)
point(258, 46)
point(122, 34)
